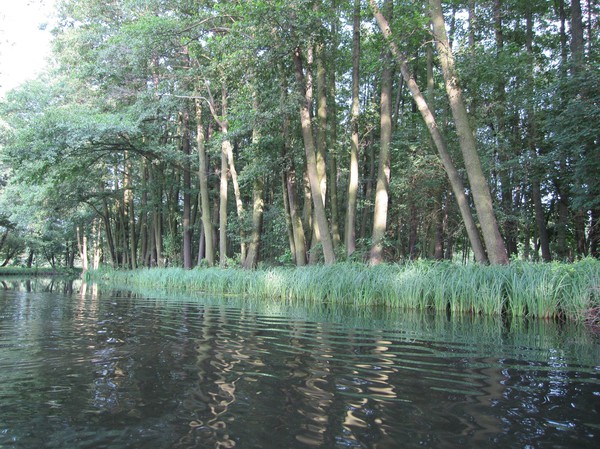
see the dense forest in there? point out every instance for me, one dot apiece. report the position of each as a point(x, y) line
point(201, 132)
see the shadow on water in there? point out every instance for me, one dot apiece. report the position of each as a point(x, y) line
point(90, 366)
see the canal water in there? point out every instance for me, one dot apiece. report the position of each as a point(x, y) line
point(83, 366)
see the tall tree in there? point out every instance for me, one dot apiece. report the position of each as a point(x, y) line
point(305, 87)
point(383, 172)
point(350, 227)
point(437, 137)
point(482, 198)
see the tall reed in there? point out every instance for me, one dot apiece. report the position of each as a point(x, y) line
point(565, 290)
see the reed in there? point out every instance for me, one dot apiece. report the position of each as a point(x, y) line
point(555, 290)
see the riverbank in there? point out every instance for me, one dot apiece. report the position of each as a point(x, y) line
point(555, 290)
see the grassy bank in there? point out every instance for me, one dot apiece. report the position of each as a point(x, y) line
point(556, 290)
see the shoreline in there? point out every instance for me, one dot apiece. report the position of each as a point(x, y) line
point(561, 291)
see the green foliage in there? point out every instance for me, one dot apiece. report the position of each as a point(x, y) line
point(105, 127)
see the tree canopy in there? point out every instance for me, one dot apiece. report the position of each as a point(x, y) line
point(197, 132)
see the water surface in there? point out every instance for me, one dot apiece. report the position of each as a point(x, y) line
point(89, 367)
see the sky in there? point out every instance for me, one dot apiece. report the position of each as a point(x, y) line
point(24, 44)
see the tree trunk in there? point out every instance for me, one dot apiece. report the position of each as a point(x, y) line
point(97, 244)
point(350, 228)
point(321, 147)
point(481, 193)
point(3, 239)
point(536, 194)
point(383, 172)
point(132, 235)
point(187, 187)
point(594, 234)
point(540, 220)
point(297, 227)
point(258, 203)
point(453, 176)
point(369, 173)
point(30, 258)
point(311, 162)
point(108, 230)
point(143, 220)
point(239, 207)
point(157, 225)
point(223, 206)
point(577, 55)
point(332, 160)
point(576, 35)
point(82, 247)
point(413, 232)
point(288, 216)
point(209, 252)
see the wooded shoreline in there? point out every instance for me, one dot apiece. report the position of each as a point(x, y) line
point(170, 133)
point(561, 291)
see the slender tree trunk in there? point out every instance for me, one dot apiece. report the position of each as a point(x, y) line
point(560, 183)
point(223, 206)
point(133, 235)
point(297, 226)
point(82, 246)
point(333, 148)
point(350, 228)
point(307, 210)
point(108, 230)
point(3, 239)
point(540, 220)
point(383, 172)
point(187, 194)
point(577, 54)
point(536, 195)
point(321, 153)
point(413, 232)
point(97, 244)
point(228, 147)
point(577, 35)
point(155, 179)
point(157, 225)
point(143, 220)
point(311, 162)
point(258, 203)
point(481, 192)
point(204, 194)
point(594, 233)
point(369, 173)
point(453, 175)
point(472, 23)
point(297, 241)
point(288, 216)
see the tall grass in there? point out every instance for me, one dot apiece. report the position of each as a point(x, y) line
point(556, 290)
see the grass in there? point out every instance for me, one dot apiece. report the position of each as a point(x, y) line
point(554, 290)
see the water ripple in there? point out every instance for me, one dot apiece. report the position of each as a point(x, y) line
point(116, 370)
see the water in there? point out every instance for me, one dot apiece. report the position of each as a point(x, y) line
point(87, 367)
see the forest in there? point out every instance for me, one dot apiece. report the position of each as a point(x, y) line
point(184, 133)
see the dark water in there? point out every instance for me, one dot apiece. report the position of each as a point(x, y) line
point(84, 368)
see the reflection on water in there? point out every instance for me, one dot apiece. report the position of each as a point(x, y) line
point(81, 367)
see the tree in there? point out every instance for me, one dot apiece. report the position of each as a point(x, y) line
point(428, 117)
point(481, 194)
